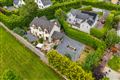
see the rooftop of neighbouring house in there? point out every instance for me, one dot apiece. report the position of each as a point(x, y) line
point(44, 23)
point(46, 2)
point(70, 47)
point(84, 15)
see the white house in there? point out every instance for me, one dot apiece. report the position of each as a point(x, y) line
point(43, 28)
point(18, 3)
point(82, 20)
point(43, 3)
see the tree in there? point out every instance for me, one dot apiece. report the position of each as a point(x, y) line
point(112, 38)
point(28, 12)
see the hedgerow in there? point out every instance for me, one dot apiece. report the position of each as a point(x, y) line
point(107, 26)
point(66, 67)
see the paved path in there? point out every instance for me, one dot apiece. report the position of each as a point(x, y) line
point(112, 75)
point(27, 44)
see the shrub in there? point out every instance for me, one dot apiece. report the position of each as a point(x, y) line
point(68, 68)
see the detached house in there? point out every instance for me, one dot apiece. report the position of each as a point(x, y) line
point(43, 28)
point(43, 3)
point(18, 3)
point(82, 20)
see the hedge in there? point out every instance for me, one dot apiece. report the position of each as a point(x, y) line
point(102, 5)
point(66, 67)
point(78, 35)
point(107, 26)
point(84, 38)
point(93, 58)
point(49, 12)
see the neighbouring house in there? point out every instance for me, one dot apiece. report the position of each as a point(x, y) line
point(118, 29)
point(18, 3)
point(44, 28)
point(70, 48)
point(82, 20)
point(43, 3)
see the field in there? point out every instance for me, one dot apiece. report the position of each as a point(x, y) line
point(15, 56)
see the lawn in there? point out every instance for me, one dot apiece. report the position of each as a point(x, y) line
point(114, 63)
point(15, 56)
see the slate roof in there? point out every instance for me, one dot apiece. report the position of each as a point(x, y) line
point(43, 23)
point(46, 2)
point(16, 2)
point(30, 37)
point(63, 49)
point(57, 35)
point(85, 15)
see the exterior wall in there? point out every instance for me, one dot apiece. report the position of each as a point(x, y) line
point(42, 34)
point(71, 18)
point(84, 26)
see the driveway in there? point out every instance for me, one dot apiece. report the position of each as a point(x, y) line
point(112, 75)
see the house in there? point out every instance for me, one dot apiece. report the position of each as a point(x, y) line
point(44, 28)
point(82, 20)
point(70, 48)
point(18, 3)
point(118, 29)
point(43, 3)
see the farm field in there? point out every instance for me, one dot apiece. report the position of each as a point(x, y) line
point(15, 56)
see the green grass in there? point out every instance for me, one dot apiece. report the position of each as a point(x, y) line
point(114, 63)
point(14, 55)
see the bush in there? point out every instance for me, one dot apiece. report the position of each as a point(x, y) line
point(114, 63)
point(41, 40)
point(93, 58)
point(68, 68)
point(10, 75)
point(97, 33)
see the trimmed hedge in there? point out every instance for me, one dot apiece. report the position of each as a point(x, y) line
point(107, 26)
point(68, 68)
point(102, 5)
